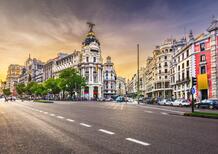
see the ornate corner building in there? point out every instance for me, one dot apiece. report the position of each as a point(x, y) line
point(100, 78)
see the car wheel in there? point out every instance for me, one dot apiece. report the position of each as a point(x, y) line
point(180, 105)
point(210, 107)
point(171, 104)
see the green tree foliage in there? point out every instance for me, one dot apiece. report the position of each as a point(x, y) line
point(20, 88)
point(71, 81)
point(7, 92)
point(39, 90)
point(53, 86)
point(30, 88)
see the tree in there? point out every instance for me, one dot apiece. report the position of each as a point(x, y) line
point(39, 90)
point(71, 81)
point(29, 90)
point(7, 92)
point(53, 86)
point(20, 88)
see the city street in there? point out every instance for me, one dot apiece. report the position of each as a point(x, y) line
point(95, 127)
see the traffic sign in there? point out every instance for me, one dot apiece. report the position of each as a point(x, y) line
point(193, 90)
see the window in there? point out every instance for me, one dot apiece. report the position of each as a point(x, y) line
point(178, 68)
point(165, 64)
point(165, 77)
point(183, 76)
point(187, 63)
point(187, 74)
point(202, 46)
point(203, 69)
point(183, 65)
point(203, 58)
point(165, 70)
point(187, 53)
point(183, 56)
point(165, 57)
point(87, 59)
point(94, 59)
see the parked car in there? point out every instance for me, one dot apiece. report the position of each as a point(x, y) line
point(120, 99)
point(211, 103)
point(180, 102)
point(148, 100)
point(109, 99)
point(164, 102)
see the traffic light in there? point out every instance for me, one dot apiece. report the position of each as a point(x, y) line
point(194, 81)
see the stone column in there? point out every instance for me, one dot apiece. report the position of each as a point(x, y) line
point(214, 76)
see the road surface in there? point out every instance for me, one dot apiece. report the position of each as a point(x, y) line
point(90, 127)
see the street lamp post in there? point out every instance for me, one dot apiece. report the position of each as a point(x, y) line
point(138, 73)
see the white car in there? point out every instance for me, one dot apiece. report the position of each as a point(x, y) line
point(165, 102)
point(180, 102)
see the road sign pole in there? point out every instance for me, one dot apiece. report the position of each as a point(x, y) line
point(194, 82)
point(193, 109)
point(138, 73)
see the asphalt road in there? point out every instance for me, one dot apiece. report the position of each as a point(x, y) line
point(90, 127)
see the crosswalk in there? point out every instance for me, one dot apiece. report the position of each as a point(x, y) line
point(115, 106)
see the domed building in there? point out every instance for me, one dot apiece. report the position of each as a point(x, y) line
point(91, 66)
point(88, 62)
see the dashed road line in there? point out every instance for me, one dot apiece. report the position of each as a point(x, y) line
point(137, 141)
point(164, 113)
point(52, 115)
point(70, 120)
point(60, 117)
point(86, 125)
point(148, 111)
point(106, 131)
point(45, 112)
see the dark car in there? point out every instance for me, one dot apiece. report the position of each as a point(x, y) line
point(208, 103)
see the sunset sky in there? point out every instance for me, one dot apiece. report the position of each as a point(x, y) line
point(45, 27)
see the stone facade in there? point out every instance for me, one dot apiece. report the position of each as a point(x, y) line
point(109, 76)
point(13, 73)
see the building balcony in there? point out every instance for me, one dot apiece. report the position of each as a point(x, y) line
point(183, 81)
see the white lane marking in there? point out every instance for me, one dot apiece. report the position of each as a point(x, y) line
point(164, 113)
point(122, 107)
point(52, 115)
point(115, 106)
point(148, 111)
point(86, 125)
point(45, 112)
point(106, 131)
point(2, 112)
point(70, 120)
point(137, 141)
point(40, 111)
point(60, 117)
point(156, 108)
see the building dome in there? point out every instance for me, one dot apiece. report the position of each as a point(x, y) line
point(90, 37)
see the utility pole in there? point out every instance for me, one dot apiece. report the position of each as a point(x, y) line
point(194, 82)
point(138, 72)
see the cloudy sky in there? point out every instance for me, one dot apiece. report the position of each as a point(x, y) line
point(45, 27)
